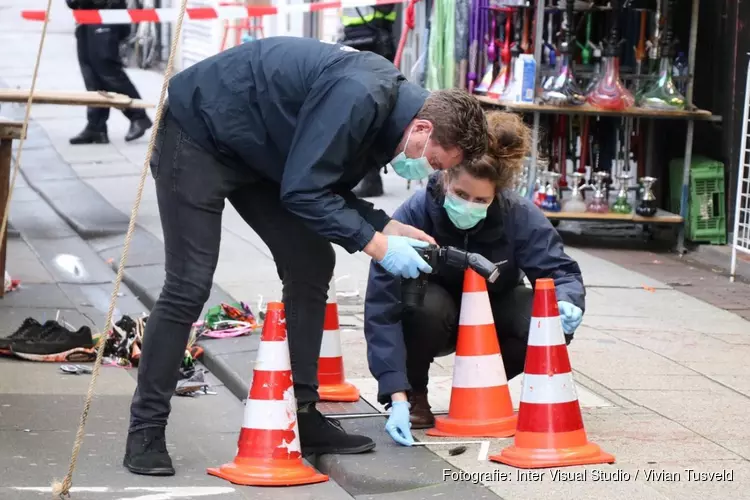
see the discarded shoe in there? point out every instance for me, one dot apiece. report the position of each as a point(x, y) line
point(146, 453)
point(30, 328)
point(320, 435)
point(56, 344)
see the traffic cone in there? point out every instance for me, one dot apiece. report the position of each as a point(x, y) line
point(332, 384)
point(550, 426)
point(269, 452)
point(480, 400)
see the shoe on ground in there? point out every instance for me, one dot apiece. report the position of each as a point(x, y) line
point(146, 453)
point(30, 328)
point(319, 435)
point(420, 413)
point(56, 344)
point(138, 128)
point(89, 136)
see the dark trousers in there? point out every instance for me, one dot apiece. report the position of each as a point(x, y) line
point(191, 186)
point(102, 69)
point(431, 331)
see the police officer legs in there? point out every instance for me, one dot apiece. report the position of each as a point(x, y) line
point(370, 29)
point(102, 69)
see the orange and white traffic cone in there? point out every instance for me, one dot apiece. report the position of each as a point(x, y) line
point(550, 426)
point(332, 384)
point(480, 400)
point(269, 451)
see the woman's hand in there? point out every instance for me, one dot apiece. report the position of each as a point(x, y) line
point(395, 228)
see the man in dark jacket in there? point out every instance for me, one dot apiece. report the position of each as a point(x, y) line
point(403, 342)
point(284, 128)
point(370, 28)
point(98, 48)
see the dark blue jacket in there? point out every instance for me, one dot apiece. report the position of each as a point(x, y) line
point(310, 116)
point(514, 230)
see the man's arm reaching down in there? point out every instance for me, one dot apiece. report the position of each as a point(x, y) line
point(332, 124)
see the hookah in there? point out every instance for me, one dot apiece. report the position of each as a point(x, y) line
point(598, 204)
point(621, 205)
point(586, 47)
point(663, 94)
point(609, 92)
point(551, 201)
point(562, 89)
point(540, 183)
point(647, 206)
point(575, 203)
point(549, 48)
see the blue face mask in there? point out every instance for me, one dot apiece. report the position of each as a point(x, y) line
point(413, 169)
point(464, 214)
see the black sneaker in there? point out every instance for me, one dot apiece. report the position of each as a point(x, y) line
point(319, 435)
point(56, 344)
point(30, 328)
point(146, 453)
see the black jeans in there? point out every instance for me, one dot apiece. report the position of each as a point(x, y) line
point(102, 69)
point(191, 186)
point(431, 331)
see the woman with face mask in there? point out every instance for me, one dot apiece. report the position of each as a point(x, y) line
point(472, 207)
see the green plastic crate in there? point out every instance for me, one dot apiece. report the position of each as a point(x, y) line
point(706, 217)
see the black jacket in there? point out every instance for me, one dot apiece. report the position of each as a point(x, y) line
point(514, 230)
point(311, 116)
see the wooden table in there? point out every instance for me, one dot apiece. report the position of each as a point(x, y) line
point(9, 130)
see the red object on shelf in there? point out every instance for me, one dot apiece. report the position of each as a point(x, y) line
point(609, 92)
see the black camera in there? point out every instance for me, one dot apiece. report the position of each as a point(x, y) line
point(413, 290)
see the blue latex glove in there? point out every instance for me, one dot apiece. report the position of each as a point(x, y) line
point(402, 260)
point(571, 317)
point(398, 424)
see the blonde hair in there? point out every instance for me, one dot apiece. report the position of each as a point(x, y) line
point(509, 141)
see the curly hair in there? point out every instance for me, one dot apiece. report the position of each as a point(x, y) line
point(509, 141)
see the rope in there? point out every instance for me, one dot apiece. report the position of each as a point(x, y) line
point(62, 489)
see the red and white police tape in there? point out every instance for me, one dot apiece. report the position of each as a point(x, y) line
point(133, 16)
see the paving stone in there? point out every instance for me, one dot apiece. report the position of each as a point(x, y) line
point(83, 207)
point(44, 165)
point(96, 271)
point(35, 219)
point(93, 301)
point(145, 248)
point(23, 264)
point(451, 489)
point(37, 295)
point(390, 468)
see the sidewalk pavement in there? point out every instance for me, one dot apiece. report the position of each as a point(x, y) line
point(661, 374)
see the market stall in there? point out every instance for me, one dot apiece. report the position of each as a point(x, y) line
point(598, 80)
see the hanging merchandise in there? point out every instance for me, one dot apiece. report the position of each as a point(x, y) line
point(621, 205)
point(461, 44)
point(474, 36)
point(663, 94)
point(489, 74)
point(441, 68)
point(575, 204)
point(562, 89)
point(610, 92)
point(500, 87)
point(647, 206)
